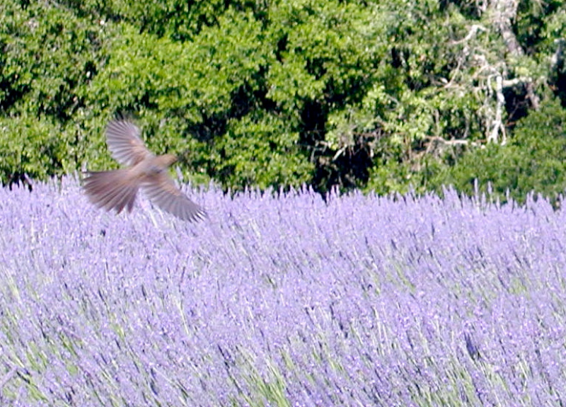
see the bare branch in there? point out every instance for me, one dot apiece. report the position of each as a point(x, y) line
point(504, 12)
point(472, 33)
point(497, 124)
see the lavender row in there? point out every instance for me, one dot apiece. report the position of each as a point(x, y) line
point(281, 299)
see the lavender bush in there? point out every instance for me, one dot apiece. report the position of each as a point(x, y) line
point(281, 301)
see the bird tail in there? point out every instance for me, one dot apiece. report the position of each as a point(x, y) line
point(111, 189)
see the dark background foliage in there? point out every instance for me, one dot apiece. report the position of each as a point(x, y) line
point(377, 95)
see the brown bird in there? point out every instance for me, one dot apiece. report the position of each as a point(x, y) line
point(118, 189)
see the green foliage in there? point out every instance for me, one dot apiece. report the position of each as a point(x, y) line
point(206, 89)
point(259, 151)
point(535, 160)
point(253, 93)
point(390, 176)
point(327, 57)
point(35, 147)
point(177, 19)
point(191, 79)
point(48, 58)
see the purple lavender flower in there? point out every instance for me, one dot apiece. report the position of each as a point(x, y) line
point(281, 300)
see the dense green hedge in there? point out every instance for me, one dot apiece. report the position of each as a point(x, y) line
point(252, 93)
point(533, 160)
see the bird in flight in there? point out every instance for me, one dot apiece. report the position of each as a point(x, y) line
point(118, 189)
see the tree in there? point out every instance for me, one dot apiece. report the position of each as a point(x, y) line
point(376, 95)
point(534, 160)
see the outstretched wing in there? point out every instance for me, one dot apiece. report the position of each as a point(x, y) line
point(161, 190)
point(112, 189)
point(124, 141)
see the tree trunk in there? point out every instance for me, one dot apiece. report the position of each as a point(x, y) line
point(504, 12)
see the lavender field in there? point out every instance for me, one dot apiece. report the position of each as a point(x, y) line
point(281, 301)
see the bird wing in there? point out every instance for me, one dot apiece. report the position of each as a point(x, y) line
point(112, 189)
point(161, 190)
point(124, 141)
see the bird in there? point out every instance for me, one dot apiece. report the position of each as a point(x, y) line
point(117, 189)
